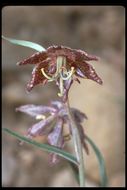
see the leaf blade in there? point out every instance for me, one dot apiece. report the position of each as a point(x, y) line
point(75, 172)
point(29, 44)
point(45, 147)
point(102, 169)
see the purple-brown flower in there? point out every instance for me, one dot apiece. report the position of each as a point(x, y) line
point(52, 120)
point(60, 63)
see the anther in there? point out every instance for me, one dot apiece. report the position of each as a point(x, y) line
point(40, 117)
point(60, 94)
point(46, 76)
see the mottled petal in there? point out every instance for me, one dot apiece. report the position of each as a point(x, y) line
point(83, 56)
point(33, 110)
point(34, 59)
point(78, 115)
point(55, 138)
point(41, 127)
point(56, 104)
point(67, 85)
point(89, 72)
point(55, 51)
point(62, 112)
point(79, 73)
point(37, 76)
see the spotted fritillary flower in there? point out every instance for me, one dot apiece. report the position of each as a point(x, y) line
point(60, 64)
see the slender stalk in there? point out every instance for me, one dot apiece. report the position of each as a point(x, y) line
point(75, 133)
point(78, 147)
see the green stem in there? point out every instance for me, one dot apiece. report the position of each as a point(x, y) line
point(78, 147)
point(61, 60)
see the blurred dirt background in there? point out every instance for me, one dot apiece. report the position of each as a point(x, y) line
point(98, 30)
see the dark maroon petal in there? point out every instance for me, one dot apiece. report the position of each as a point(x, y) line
point(78, 115)
point(41, 127)
point(34, 59)
point(34, 110)
point(37, 76)
point(89, 72)
point(55, 51)
point(72, 54)
point(83, 56)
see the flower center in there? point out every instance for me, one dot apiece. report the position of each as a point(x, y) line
point(61, 73)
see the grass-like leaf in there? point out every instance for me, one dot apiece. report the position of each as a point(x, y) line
point(75, 171)
point(45, 147)
point(29, 44)
point(102, 169)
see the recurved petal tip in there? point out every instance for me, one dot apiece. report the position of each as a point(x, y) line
point(94, 58)
point(29, 87)
point(18, 63)
point(99, 81)
point(78, 115)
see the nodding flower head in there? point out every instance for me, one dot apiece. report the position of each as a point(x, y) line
point(52, 120)
point(60, 64)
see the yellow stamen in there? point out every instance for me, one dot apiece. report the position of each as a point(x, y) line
point(46, 76)
point(40, 117)
point(70, 73)
point(61, 73)
point(60, 95)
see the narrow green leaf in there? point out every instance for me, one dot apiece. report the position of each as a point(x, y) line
point(75, 171)
point(29, 44)
point(45, 147)
point(102, 169)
